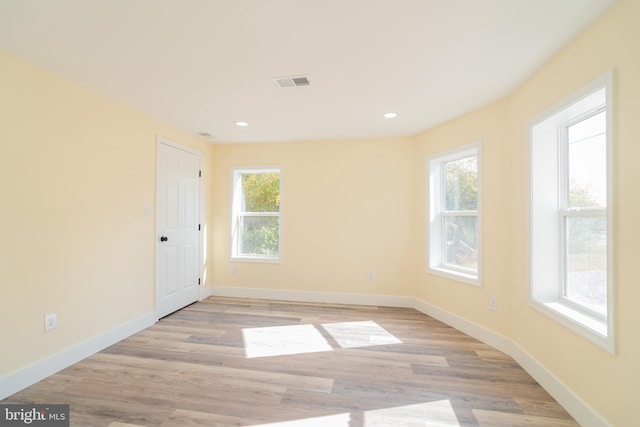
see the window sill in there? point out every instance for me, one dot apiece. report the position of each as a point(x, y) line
point(256, 259)
point(590, 327)
point(458, 276)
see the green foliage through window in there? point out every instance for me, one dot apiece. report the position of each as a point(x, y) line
point(260, 235)
point(461, 195)
point(461, 184)
point(257, 213)
point(261, 192)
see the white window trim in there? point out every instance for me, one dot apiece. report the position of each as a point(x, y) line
point(235, 173)
point(594, 327)
point(435, 199)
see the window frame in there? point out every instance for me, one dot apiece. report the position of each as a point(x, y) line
point(547, 291)
point(237, 215)
point(565, 211)
point(437, 213)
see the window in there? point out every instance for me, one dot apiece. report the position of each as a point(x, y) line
point(454, 221)
point(571, 211)
point(256, 214)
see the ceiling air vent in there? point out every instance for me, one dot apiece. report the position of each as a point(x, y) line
point(292, 81)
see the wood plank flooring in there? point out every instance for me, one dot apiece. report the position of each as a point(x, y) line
point(239, 362)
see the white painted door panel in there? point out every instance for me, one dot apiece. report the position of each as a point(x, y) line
point(178, 222)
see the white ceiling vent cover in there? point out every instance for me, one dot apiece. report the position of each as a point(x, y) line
point(292, 81)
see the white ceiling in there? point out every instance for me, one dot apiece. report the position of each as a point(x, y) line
point(201, 65)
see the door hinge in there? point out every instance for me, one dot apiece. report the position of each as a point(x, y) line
point(198, 227)
point(198, 280)
point(200, 173)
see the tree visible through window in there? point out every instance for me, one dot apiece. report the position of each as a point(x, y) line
point(585, 219)
point(571, 213)
point(453, 214)
point(256, 214)
point(461, 213)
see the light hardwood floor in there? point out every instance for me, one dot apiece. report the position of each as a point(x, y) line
point(239, 362)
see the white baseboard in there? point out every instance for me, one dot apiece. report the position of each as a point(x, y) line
point(38, 371)
point(582, 412)
point(478, 332)
point(312, 296)
point(205, 293)
point(578, 408)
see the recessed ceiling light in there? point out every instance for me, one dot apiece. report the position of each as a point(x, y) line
point(242, 124)
point(390, 115)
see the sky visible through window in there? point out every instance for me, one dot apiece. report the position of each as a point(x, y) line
point(586, 263)
point(587, 162)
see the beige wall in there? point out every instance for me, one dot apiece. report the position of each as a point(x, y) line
point(77, 171)
point(76, 174)
point(345, 209)
point(489, 126)
point(605, 382)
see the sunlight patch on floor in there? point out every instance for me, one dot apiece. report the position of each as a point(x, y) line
point(359, 334)
point(338, 420)
point(283, 340)
point(430, 414)
point(439, 413)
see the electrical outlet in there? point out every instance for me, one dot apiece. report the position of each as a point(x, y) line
point(370, 276)
point(50, 321)
point(493, 303)
point(234, 270)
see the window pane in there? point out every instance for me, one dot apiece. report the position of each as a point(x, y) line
point(587, 261)
point(259, 235)
point(261, 192)
point(461, 179)
point(588, 162)
point(461, 248)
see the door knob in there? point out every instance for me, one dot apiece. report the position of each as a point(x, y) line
point(163, 238)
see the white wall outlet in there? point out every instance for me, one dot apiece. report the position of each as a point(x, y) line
point(50, 321)
point(234, 270)
point(493, 303)
point(370, 276)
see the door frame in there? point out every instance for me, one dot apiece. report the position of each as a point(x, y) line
point(168, 142)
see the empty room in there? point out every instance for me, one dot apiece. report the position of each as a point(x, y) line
point(306, 213)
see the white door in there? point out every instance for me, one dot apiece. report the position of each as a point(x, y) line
point(177, 226)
